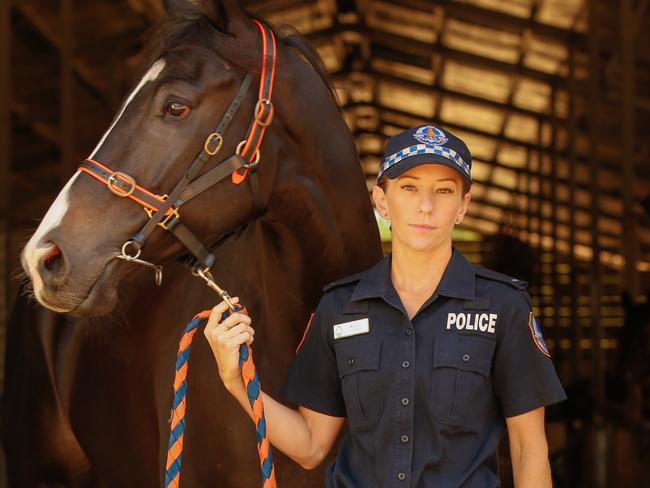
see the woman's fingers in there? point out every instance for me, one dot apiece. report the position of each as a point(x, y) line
point(239, 329)
point(218, 311)
point(231, 338)
point(235, 319)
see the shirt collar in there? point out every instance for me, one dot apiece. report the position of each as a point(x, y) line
point(458, 280)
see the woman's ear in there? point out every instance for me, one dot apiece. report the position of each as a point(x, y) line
point(379, 199)
point(463, 207)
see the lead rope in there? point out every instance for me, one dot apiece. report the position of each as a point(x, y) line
point(250, 154)
point(253, 392)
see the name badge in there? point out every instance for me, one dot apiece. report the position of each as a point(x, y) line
point(347, 329)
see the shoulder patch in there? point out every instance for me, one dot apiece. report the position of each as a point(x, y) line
point(537, 335)
point(343, 281)
point(496, 276)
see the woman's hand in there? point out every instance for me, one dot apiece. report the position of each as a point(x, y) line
point(224, 338)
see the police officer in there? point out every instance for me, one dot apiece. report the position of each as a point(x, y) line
point(428, 357)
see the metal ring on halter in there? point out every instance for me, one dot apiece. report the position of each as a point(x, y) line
point(257, 153)
point(196, 271)
point(112, 180)
point(127, 256)
point(209, 140)
point(258, 112)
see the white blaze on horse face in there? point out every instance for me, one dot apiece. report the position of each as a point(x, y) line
point(32, 253)
point(151, 75)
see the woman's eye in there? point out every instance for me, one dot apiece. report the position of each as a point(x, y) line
point(446, 190)
point(176, 109)
point(409, 187)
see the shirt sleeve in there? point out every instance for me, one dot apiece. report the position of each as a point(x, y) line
point(313, 379)
point(524, 375)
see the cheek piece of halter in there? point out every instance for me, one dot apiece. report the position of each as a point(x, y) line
point(163, 211)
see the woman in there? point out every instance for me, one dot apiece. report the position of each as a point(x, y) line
point(428, 357)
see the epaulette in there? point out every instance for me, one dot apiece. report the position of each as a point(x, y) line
point(494, 275)
point(343, 281)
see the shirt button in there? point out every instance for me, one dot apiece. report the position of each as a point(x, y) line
point(405, 364)
point(350, 362)
point(405, 401)
point(465, 357)
point(404, 439)
point(409, 331)
point(401, 476)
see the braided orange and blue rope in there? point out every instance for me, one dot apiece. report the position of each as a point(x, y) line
point(253, 391)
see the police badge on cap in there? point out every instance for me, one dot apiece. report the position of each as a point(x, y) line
point(425, 144)
point(430, 135)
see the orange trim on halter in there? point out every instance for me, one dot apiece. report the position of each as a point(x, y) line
point(260, 92)
point(132, 197)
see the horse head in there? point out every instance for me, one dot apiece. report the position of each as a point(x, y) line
point(198, 59)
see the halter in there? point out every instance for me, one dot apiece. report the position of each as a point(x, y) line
point(164, 210)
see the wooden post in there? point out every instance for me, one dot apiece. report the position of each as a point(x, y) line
point(630, 244)
point(5, 169)
point(540, 217)
point(595, 284)
point(67, 90)
point(554, 198)
point(573, 262)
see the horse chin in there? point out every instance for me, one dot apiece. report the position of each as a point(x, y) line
point(99, 300)
point(102, 296)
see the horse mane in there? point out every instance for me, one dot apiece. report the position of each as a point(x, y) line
point(189, 25)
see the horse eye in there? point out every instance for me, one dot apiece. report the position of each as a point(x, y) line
point(176, 109)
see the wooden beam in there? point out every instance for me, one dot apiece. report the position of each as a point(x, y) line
point(386, 45)
point(473, 14)
point(425, 88)
point(50, 32)
point(46, 131)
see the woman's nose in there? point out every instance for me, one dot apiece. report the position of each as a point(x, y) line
point(426, 203)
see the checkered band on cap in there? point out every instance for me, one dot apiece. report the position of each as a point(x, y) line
point(416, 149)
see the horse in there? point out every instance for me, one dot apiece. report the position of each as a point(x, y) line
point(90, 361)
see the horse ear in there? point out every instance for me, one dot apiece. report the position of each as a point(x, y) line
point(211, 8)
point(238, 21)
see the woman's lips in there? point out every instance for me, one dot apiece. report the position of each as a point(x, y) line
point(422, 226)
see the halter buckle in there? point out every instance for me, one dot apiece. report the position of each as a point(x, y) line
point(113, 184)
point(257, 153)
point(165, 221)
point(259, 111)
point(212, 138)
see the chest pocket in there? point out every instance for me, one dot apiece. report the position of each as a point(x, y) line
point(460, 390)
point(358, 362)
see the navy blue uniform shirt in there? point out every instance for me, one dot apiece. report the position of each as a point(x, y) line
point(426, 398)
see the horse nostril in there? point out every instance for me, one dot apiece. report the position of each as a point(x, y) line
point(50, 256)
point(52, 264)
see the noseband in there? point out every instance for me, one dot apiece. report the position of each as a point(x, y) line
point(163, 210)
